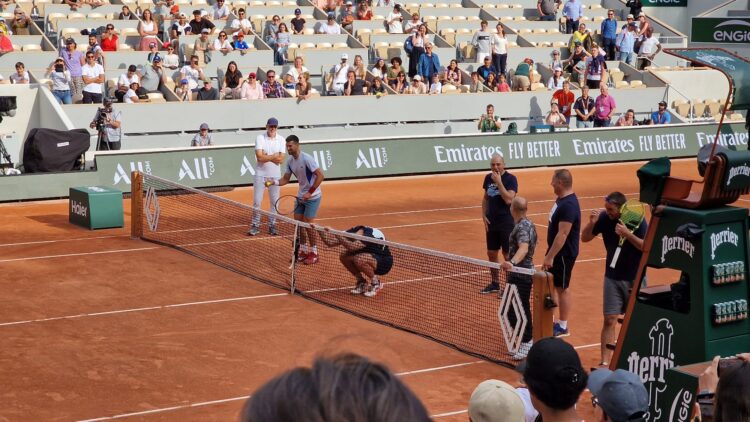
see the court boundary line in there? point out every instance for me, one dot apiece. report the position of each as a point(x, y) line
point(32, 258)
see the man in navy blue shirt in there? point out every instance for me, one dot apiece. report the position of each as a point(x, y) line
point(563, 237)
point(609, 34)
point(487, 68)
point(618, 281)
point(500, 187)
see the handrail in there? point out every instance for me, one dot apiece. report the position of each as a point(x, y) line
point(706, 13)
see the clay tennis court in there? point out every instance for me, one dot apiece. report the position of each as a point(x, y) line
point(96, 325)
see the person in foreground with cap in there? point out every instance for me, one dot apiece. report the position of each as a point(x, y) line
point(240, 44)
point(555, 379)
point(495, 401)
point(330, 27)
point(618, 396)
point(661, 116)
point(269, 154)
point(203, 137)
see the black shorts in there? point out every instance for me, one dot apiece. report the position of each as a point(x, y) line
point(385, 263)
point(497, 237)
point(562, 268)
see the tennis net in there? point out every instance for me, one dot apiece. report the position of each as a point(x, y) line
point(426, 292)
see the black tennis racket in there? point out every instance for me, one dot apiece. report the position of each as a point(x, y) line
point(286, 204)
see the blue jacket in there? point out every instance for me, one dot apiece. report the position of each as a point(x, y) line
point(428, 65)
point(609, 28)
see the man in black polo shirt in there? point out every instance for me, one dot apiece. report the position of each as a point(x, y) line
point(199, 23)
point(563, 236)
point(618, 281)
point(500, 187)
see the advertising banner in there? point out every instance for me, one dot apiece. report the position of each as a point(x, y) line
point(721, 30)
point(665, 3)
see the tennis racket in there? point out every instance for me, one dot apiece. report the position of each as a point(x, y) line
point(286, 204)
point(632, 213)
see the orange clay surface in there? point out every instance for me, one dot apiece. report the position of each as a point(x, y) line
point(88, 331)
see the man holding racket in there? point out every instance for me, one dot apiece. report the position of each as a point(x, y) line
point(363, 259)
point(269, 154)
point(618, 278)
point(309, 176)
point(499, 189)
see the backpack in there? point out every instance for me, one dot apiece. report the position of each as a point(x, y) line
point(408, 45)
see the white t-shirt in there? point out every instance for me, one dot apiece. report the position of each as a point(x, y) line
point(269, 146)
point(648, 46)
point(499, 45)
point(220, 12)
point(304, 168)
point(410, 25)
point(17, 79)
point(124, 80)
point(330, 29)
point(339, 74)
point(395, 27)
point(129, 95)
point(192, 75)
point(218, 45)
point(242, 23)
point(295, 74)
point(92, 72)
point(171, 60)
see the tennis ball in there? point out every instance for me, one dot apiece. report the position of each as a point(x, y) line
point(268, 183)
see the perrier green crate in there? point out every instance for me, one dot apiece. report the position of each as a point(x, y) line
point(96, 207)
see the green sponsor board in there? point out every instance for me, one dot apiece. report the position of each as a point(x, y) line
point(96, 207)
point(721, 30)
point(665, 3)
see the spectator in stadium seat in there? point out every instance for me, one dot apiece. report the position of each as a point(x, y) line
point(475, 85)
point(329, 6)
point(153, 76)
point(400, 84)
point(491, 82)
point(626, 44)
point(452, 75)
point(379, 70)
point(548, 9)
point(556, 80)
point(291, 78)
point(609, 34)
point(364, 13)
point(148, 30)
point(124, 81)
point(585, 107)
point(179, 28)
point(413, 24)
point(348, 385)
point(484, 70)
point(605, 108)
point(378, 87)
point(131, 96)
point(556, 61)
point(283, 39)
point(203, 138)
point(394, 69)
point(354, 85)
point(193, 73)
point(436, 87)
point(240, 44)
point(110, 40)
point(522, 77)
point(555, 379)
point(495, 401)
point(482, 41)
point(340, 72)
point(618, 396)
point(126, 14)
point(153, 52)
point(418, 40)
point(271, 87)
point(203, 45)
point(222, 44)
point(502, 84)
point(347, 16)
point(395, 21)
point(636, 6)
point(572, 12)
point(596, 68)
point(93, 76)
point(576, 63)
point(74, 61)
point(554, 117)
point(581, 35)
point(661, 116)
point(359, 67)
point(417, 86)
point(330, 27)
point(298, 22)
point(232, 82)
point(303, 88)
point(251, 89)
point(199, 23)
point(429, 63)
point(500, 187)
point(170, 60)
point(61, 81)
point(649, 48)
point(500, 50)
point(21, 22)
point(208, 92)
point(21, 76)
point(643, 24)
point(220, 10)
point(627, 119)
point(565, 100)
point(242, 24)
point(183, 91)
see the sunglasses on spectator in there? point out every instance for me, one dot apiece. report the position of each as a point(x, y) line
point(222, 35)
point(276, 19)
point(89, 57)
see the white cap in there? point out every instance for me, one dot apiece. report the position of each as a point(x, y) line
point(417, 78)
point(494, 401)
point(345, 56)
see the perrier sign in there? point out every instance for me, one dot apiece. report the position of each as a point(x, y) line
point(721, 30)
point(665, 3)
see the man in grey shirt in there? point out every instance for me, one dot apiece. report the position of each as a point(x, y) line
point(153, 76)
point(481, 41)
point(111, 129)
point(548, 9)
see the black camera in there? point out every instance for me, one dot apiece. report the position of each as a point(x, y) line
point(101, 118)
point(59, 68)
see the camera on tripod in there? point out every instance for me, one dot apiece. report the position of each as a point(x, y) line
point(102, 113)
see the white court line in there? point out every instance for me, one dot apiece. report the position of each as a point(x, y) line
point(439, 368)
point(75, 239)
point(586, 346)
point(443, 415)
point(150, 308)
point(31, 258)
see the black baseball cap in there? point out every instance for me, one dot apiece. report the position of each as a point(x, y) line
point(553, 361)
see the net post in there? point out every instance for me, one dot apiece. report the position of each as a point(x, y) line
point(542, 314)
point(136, 205)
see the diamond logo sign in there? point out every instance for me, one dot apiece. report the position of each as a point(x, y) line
point(512, 332)
point(152, 209)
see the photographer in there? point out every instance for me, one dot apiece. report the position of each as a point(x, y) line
point(61, 80)
point(109, 125)
point(726, 382)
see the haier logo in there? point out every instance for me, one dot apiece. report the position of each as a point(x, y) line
point(122, 176)
point(246, 167)
point(378, 158)
point(724, 236)
point(201, 168)
point(653, 368)
point(324, 158)
point(676, 243)
point(78, 209)
point(680, 410)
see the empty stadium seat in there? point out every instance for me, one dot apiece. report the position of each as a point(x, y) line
point(637, 84)
point(124, 47)
point(683, 110)
point(96, 16)
point(76, 15)
point(31, 47)
point(340, 45)
point(156, 97)
point(54, 16)
point(539, 31)
point(129, 32)
point(537, 86)
point(450, 89)
point(713, 106)
point(736, 116)
point(306, 45)
point(308, 31)
point(622, 84)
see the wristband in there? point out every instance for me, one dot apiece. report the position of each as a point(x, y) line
point(311, 190)
point(512, 263)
